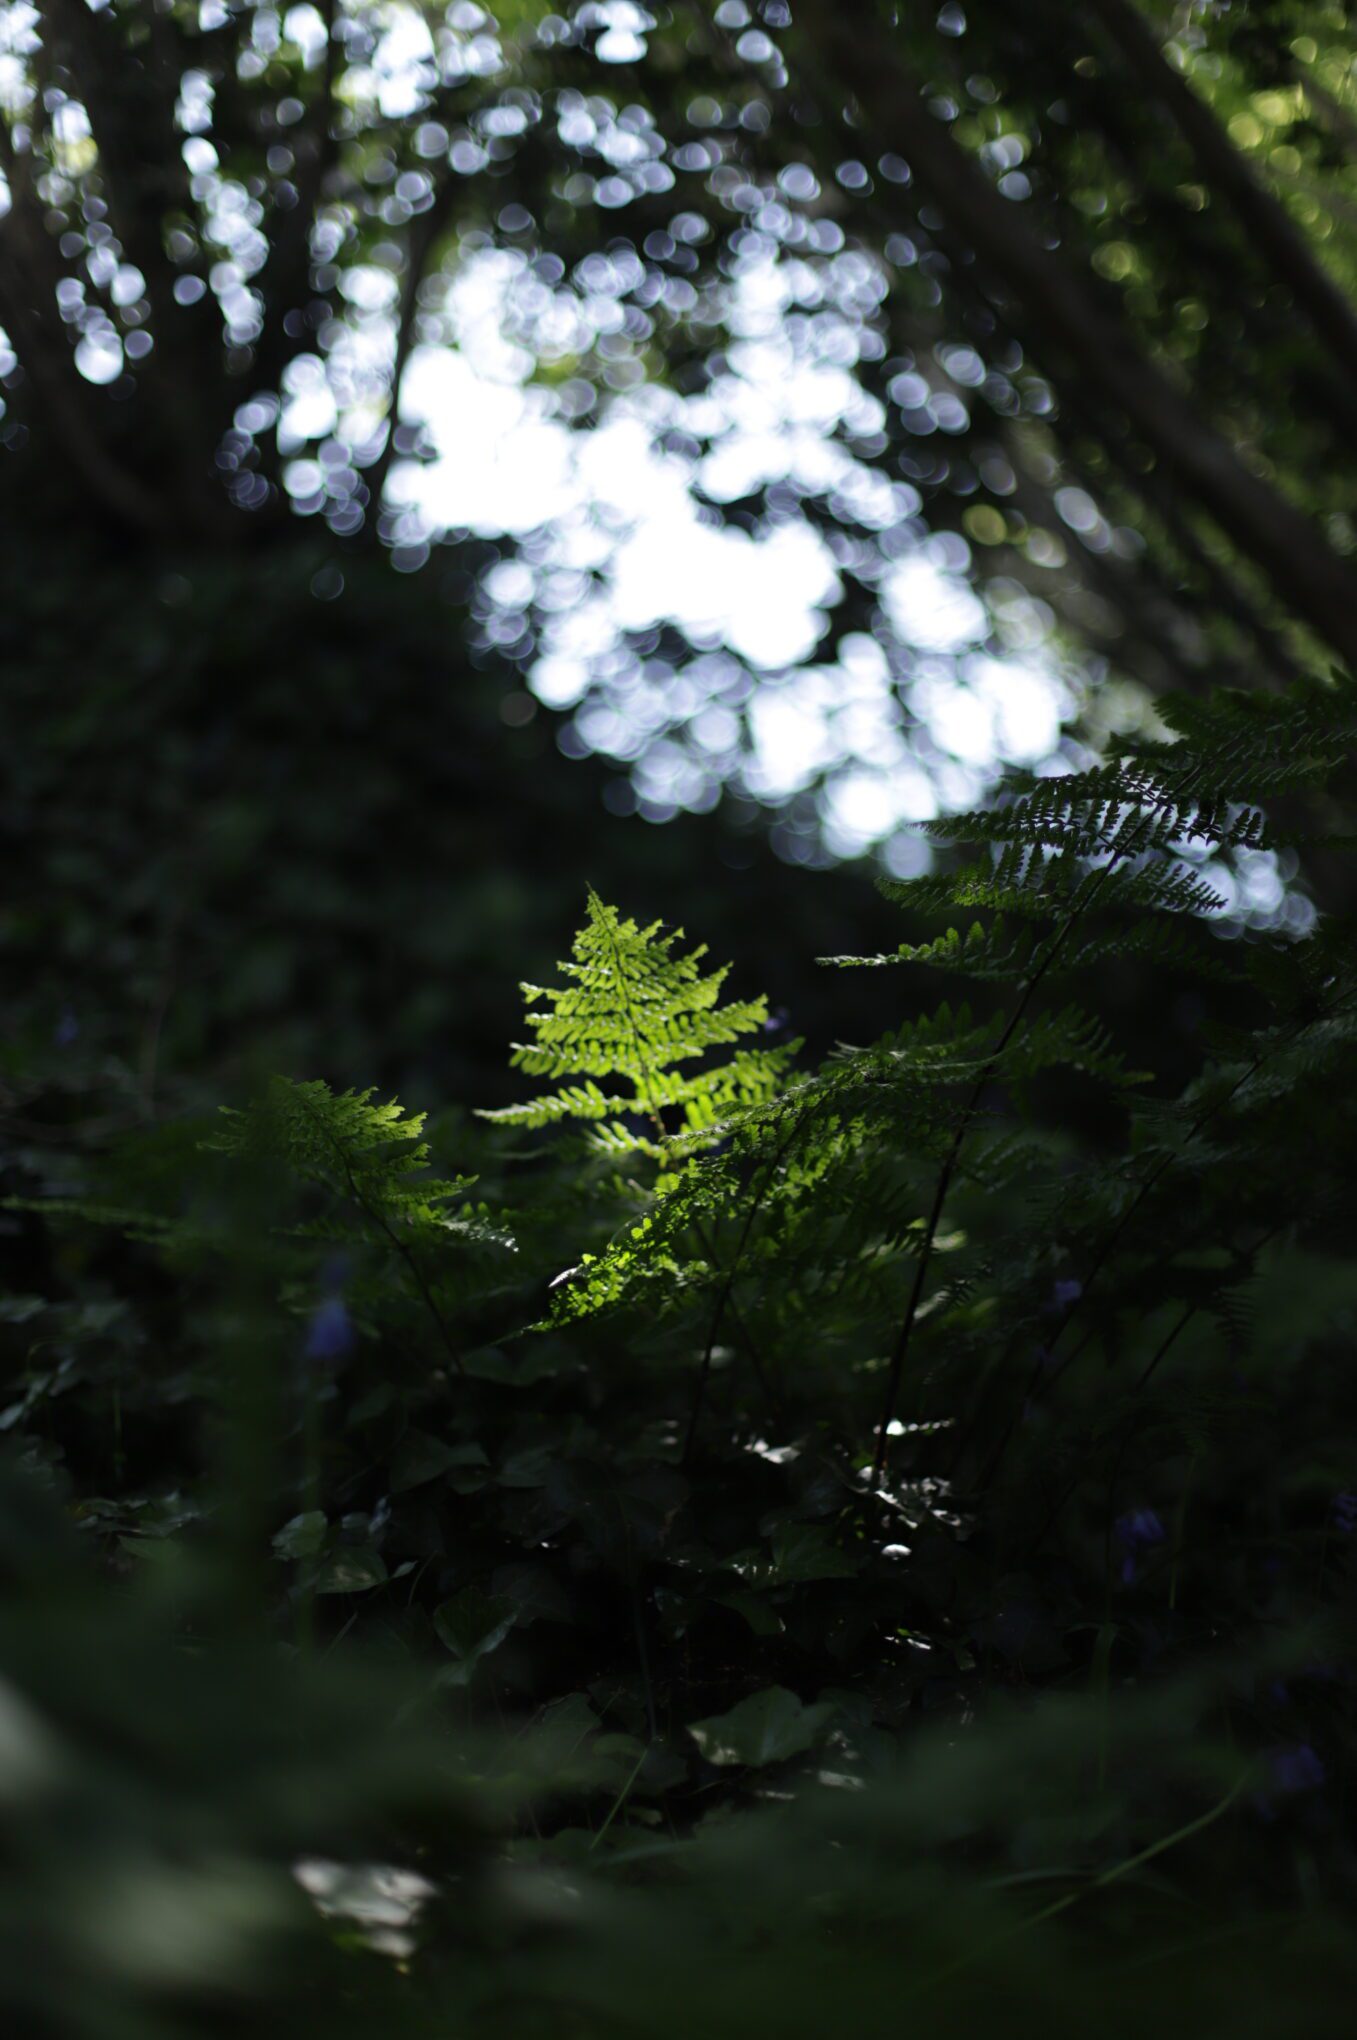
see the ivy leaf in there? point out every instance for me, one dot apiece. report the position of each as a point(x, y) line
point(767, 1728)
point(19, 1310)
point(351, 1569)
point(419, 1458)
point(536, 1594)
point(515, 1370)
point(526, 1469)
point(648, 1767)
point(303, 1536)
point(471, 1625)
point(806, 1551)
point(763, 1620)
point(569, 1721)
point(800, 1552)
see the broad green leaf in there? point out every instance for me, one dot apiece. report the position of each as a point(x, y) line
point(806, 1551)
point(527, 1469)
point(537, 1595)
point(800, 1552)
point(352, 1569)
point(18, 1310)
point(517, 1369)
point(763, 1620)
point(568, 1720)
point(767, 1728)
point(471, 1625)
point(419, 1457)
point(303, 1536)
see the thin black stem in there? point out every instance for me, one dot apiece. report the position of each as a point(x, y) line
point(1166, 1162)
point(402, 1247)
point(944, 1183)
point(1104, 1253)
point(1169, 1340)
point(1165, 1345)
point(724, 1298)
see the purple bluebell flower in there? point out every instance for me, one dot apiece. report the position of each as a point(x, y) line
point(329, 1335)
point(1345, 1514)
point(1136, 1532)
point(1295, 1768)
point(67, 1029)
point(1066, 1292)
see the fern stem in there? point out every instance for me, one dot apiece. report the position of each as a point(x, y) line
point(407, 1254)
point(621, 1799)
point(645, 1088)
point(761, 1374)
point(724, 1299)
point(704, 1370)
point(1104, 1254)
point(1166, 1163)
point(1169, 1340)
point(310, 1500)
point(402, 1247)
point(646, 1092)
point(1155, 1176)
point(1056, 944)
point(944, 1184)
point(973, 1957)
point(1053, 1515)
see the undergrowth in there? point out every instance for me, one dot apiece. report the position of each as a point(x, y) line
point(721, 1541)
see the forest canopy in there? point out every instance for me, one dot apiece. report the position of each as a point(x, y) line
point(1059, 303)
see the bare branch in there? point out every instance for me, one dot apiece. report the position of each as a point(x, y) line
point(130, 99)
point(1068, 318)
point(66, 409)
point(423, 239)
point(1265, 218)
point(1340, 120)
point(284, 282)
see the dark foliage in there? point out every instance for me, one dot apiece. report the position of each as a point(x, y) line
point(903, 1549)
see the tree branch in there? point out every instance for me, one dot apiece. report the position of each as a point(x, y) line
point(28, 277)
point(284, 282)
point(423, 238)
point(1263, 216)
point(1067, 316)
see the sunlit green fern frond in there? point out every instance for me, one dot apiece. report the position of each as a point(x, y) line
point(636, 1009)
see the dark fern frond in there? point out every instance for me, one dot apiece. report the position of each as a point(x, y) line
point(980, 952)
point(369, 1154)
point(148, 1227)
point(1070, 1038)
point(1024, 881)
point(1309, 728)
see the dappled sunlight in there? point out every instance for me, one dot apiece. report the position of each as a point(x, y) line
point(765, 504)
point(620, 552)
